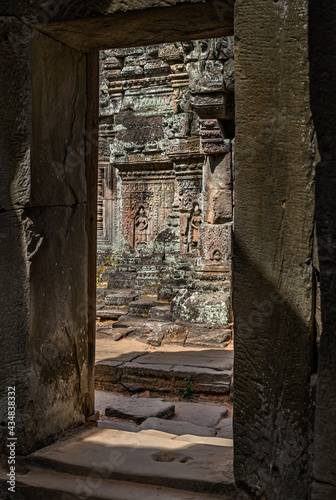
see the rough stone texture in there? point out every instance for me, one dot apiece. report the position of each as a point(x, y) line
point(43, 235)
point(323, 80)
point(165, 176)
point(38, 12)
point(274, 216)
point(143, 457)
point(14, 192)
point(225, 429)
point(37, 485)
point(203, 414)
point(196, 307)
point(163, 369)
point(138, 409)
point(175, 427)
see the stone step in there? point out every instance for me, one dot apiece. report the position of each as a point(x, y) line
point(145, 457)
point(159, 313)
point(112, 313)
point(111, 333)
point(176, 427)
point(142, 306)
point(166, 370)
point(119, 299)
point(130, 321)
point(41, 484)
point(171, 429)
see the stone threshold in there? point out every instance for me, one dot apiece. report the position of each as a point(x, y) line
point(143, 458)
point(41, 484)
point(133, 366)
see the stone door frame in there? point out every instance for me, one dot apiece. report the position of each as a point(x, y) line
point(47, 222)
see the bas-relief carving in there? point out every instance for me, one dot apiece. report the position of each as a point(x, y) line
point(181, 91)
point(195, 222)
point(140, 227)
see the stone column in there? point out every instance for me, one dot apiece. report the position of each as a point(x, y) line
point(273, 229)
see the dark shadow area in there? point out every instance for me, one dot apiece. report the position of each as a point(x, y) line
point(273, 364)
point(322, 44)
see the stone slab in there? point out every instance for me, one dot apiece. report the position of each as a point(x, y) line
point(205, 379)
point(128, 321)
point(208, 337)
point(225, 428)
point(215, 441)
point(138, 409)
point(142, 458)
point(119, 299)
point(111, 313)
point(112, 333)
point(175, 355)
point(118, 425)
point(152, 332)
point(142, 306)
point(160, 313)
point(146, 368)
point(203, 414)
point(42, 484)
point(176, 427)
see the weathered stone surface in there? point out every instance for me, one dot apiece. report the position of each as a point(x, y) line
point(112, 313)
point(190, 438)
point(129, 321)
point(38, 485)
point(203, 414)
point(143, 457)
point(119, 299)
point(141, 307)
point(112, 333)
point(63, 161)
point(107, 374)
point(159, 313)
point(197, 307)
point(216, 243)
point(101, 30)
point(273, 228)
point(118, 425)
point(208, 337)
point(176, 427)
point(138, 409)
point(174, 355)
point(225, 428)
point(205, 380)
point(176, 335)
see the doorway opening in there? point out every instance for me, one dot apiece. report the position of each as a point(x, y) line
point(164, 349)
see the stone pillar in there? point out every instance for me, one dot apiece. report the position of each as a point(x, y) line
point(43, 235)
point(273, 229)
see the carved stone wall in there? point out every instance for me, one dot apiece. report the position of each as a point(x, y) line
point(161, 109)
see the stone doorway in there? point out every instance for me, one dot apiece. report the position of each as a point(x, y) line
point(165, 192)
point(48, 215)
point(164, 349)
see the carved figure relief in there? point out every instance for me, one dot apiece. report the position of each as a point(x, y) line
point(196, 220)
point(140, 227)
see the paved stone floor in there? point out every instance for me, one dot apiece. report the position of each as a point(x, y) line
point(177, 418)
